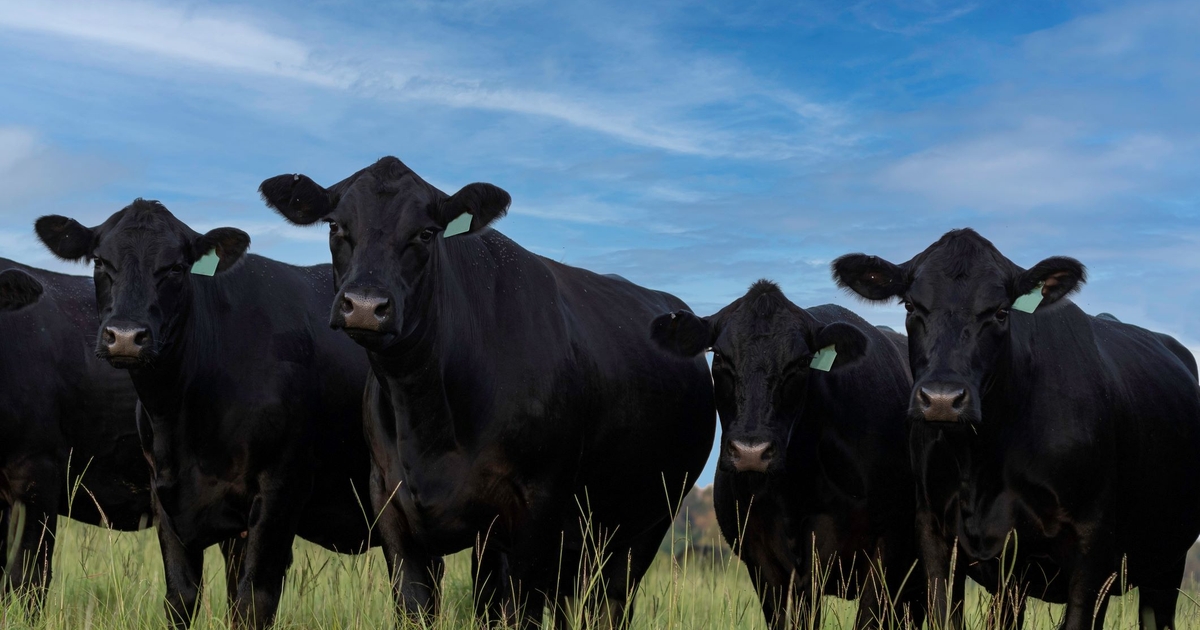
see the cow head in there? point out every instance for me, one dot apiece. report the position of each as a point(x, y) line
point(959, 295)
point(18, 290)
point(142, 257)
point(385, 224)
point(762, 346)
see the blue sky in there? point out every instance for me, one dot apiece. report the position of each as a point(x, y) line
point(689, 147)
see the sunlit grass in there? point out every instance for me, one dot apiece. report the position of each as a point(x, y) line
point(105, 579)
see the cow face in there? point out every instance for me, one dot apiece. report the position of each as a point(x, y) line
point(18, 290)
point(142, 258)
point(385, 226)
point(762, 346)
point(959, 295)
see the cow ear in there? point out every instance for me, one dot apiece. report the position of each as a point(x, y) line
point(484, 203)
point(299, 199)
point(1059, 276)
point(848, 342)
point(869, 276)
point(64, 237)
point(18, 290)
point(227, 243)
point(683, 333)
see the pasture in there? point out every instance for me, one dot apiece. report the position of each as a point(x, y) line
point(112, 580)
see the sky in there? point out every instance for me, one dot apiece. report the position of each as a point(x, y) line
point(689, 147)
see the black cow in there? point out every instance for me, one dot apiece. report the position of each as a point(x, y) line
point(1080, 434)
point(68, 442)
point(810, 460)
point(250, 406)
point(511, 391)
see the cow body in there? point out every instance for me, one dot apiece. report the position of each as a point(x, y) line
point(518, 407)
point(250, 407)
point(1065, 444)
point(61, 405)
point(813, 489)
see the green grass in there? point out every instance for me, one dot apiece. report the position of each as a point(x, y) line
point(106, 579)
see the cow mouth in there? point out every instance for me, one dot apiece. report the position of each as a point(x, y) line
point(368, 338)
point(124, 362)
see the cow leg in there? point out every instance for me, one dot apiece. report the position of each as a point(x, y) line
point(772, 597)
point(1087, 597)
point(31, 529)
point(490, 581)
point(234, 552)
point(944, 609)
point(623, 574)
point(1156, 604)
point(268, 554)
point(416, 576)
point(183, 565)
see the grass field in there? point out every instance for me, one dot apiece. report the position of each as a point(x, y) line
point(105, 580)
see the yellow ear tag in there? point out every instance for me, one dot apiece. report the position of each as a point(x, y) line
point(1029, 302)
point(207, 265)
point(460, 225)
point(823, 359)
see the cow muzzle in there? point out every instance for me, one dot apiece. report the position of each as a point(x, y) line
point(753, 456)
point(123, 343)
point(363, 309)
point(942, 402)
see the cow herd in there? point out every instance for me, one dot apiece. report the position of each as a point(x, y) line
point(486, 398)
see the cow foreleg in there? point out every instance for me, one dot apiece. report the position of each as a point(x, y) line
point(273, 520)
point(945, 573)
point(31, 528)
point(183, 565)
point(416, 576)
point(1088, 585)
point(234, 552)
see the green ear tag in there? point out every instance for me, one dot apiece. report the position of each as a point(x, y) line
point(823, 359)
point(458, 226)
point(207, 265)
point(1028, 302)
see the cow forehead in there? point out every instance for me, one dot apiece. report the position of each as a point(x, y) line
point(145, 234)
point(751, 337)
point(372, 196)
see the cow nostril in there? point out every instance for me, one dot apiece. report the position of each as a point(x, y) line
point(109, 337)
point(347, 305)
point(381, 310)
point(923, 398)
point(139, 338)
point(960, 400)
point(768, 454)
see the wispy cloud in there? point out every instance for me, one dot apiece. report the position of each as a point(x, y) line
point(658, 115)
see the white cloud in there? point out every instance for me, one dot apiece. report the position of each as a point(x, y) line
point(184, 34)
point(1044, 163)
point(31, 169)
point(646, 101)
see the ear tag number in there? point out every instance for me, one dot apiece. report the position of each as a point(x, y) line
point(207, 265)
point(461, 225)
point(1029, 302)
point(823, 359)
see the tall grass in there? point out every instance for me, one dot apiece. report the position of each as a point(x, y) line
point(105, 579)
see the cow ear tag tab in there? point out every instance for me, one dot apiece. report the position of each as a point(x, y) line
point(823, 359)
point(460, 225)
point(207, 265)
point(1029, 302)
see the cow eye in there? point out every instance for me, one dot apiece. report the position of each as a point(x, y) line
point(178, 269)
point(1001, 314)
point(97, 264)
point(427, 235)
point(908, 306)
point(333, 228)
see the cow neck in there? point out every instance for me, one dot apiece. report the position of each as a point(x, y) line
point(161, 387)
point(414, 368)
